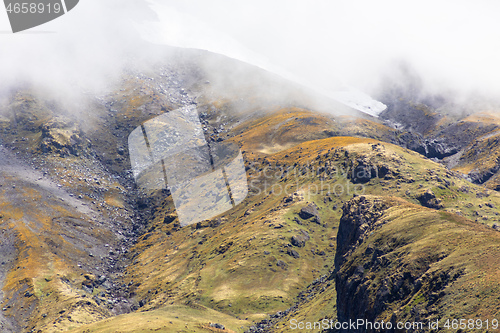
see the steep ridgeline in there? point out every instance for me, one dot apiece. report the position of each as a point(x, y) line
point(462, 131)
point(401, 263)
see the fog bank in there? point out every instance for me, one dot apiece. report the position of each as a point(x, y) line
point(323, 44)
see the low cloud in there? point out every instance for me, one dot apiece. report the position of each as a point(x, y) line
point(451, 44)
point(323, 44)
point(80, 51)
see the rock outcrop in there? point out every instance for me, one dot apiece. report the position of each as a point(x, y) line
point(428, 199)
point(429, 147)
point(61, 136)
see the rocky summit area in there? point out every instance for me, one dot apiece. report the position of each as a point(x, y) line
point(347, 216)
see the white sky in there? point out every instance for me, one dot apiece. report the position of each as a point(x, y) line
point(453, 43)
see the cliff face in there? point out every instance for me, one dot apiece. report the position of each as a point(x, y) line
point(360, 218)
point(398, 262)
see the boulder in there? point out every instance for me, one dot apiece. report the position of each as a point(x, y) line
point(218, 326)
point(309, 211)
point(293, 253)
point(300, 239)
point(428, 199)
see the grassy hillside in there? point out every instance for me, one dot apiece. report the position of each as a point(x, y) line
point(408, 263)
point(243, 266)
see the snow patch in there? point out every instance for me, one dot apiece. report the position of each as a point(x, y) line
point(359, 101)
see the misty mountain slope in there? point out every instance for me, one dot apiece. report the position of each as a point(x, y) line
point(467, 145)
point(460, 130)
point(81, 215)
point(84, 163)
point(264, 262)
point(77, 163)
